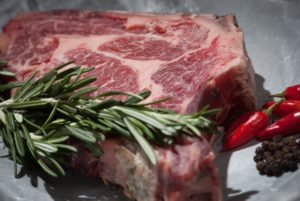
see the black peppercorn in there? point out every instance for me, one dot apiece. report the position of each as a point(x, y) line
point(270, 159)
point(268, 170)
point(285, 150)
point(292, 141)
point(277, 169)
point(278, 154)
point(289, 156)
point(258, 158)
point(267, 154)
point(285, 164)
point(260, 165)
point(292, 166)
point(296, 153)
point(259, 150)
point(281, 145)
point(284, 142)
point(273, 146)
point(265, 145)
point(293, 148)
point(277, 138)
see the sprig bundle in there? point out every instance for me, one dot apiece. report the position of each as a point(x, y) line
point(37, 122)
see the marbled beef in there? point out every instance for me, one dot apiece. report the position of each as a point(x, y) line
point(195, 59)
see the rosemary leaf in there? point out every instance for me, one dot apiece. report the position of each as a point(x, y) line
point(68, 72)
point(81, 71)
point(114, 93)
point(57, 166)
point(142, 141)
point(56, 123)
point(66, 147)
point(66, 82)
point(56, 89)
point(95, 126)
point(87, 112)
point(62, 65)
point(54, 133)
point(144, 128)
point(81, 83)
point(14, 155)
point(10, 121)
point(46, 168)
point(35, 126)
point(24, 89)
point(194, 129)
point(7, 73)
point(27, 105)
point(81, 134)
point(46, 147)
point(209, 112)
point(134, 100)
point(34, 92)
point(2, 117)
point(88, 69)
point(104, 104)
point(28, 138)
point(116, 127)
point(40, 153)
point(83, 92)
point(69, 109)
point(78, 74)
point(51, 115)
point(65, 113)
point(49, 84)
point(11, 85)
point(142, 117)
point(47, 77)
point(58, 140)
point(156, 102)
point(19, 143)
point(35, 137)
point(18, 117)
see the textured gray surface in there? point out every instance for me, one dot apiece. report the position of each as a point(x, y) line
point(272, 36)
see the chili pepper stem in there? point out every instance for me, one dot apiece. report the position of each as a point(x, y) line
point(269, 110)
point(280, 95)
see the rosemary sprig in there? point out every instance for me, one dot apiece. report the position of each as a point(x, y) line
point(3, 73)
point(38, 121)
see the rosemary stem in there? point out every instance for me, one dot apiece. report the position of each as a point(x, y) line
point(6, 103)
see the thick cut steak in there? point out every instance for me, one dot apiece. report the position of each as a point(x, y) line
point(195, 59)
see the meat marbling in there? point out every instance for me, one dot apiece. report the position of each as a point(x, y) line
point(195, 59)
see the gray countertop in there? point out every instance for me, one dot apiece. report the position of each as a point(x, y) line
point(272, 37)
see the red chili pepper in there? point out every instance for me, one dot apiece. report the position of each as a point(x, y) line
point(245, 129)
point(248, 130)
point(287, 125)
point(291, 93)
point(285, 107)
point(241, 119)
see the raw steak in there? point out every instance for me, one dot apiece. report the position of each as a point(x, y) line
point(195, 59)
